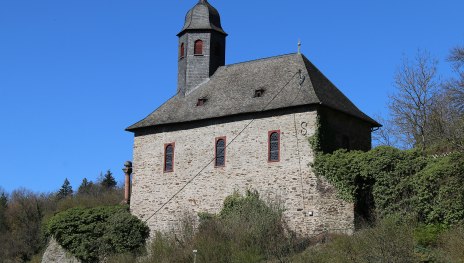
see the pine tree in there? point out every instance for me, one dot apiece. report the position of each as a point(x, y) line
point(66, 190)
point(108, 182)
point(85, 187)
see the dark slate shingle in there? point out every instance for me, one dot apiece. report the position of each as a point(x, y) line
point(202, 16)
point(231, 91)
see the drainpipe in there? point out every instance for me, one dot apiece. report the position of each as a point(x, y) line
point(127, 187)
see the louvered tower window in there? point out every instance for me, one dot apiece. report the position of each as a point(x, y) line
point(182, 50)
point(220, 160)
point(169, 157)
point(274, 146)
point(198, 50)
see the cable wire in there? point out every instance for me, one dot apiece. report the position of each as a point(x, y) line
point(204, 167)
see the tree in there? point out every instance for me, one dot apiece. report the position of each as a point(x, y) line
point(24, 219)
point(416, 84)
point(85, 187)
point(3, 207)
point(65, 190)
point(384, 136)
point(445, 124)
point(107, 181)
point(455, 87)
point(447, 116)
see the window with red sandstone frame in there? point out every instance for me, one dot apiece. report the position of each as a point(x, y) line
point(274, 146)
point(220, 152)
point(169, 157)
point(198, 50)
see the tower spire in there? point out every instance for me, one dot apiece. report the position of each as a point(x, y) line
point(202, 44)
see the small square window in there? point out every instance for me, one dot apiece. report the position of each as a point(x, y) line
point(259, 93)
point(201, 101)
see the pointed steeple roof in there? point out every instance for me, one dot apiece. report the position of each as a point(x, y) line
point(203, 16)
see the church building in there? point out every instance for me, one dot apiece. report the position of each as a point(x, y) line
point(244, 126)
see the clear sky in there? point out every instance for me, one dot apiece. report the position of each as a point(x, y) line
point(74, 74)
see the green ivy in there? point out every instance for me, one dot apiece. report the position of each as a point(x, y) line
point(315, 139)
point(388, 181)
point(93, 233)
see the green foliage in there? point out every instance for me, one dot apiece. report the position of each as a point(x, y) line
point(427, 235)
point(403, 182)
point(86, 187)
point(94, 198)
point(390, 241)
point(22, 236)
point(341, 169)
point(440, 190)
point(315, 139)
point(65, 190)
point(90, 234)
point(324, 138)
point(247, 229)
point(3, 208)
point(107, 181)
point(449, 246)
point(3, 200)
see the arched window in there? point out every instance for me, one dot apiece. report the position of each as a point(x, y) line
point(198, 50)
point(169, 157)
point(182, 51)
point(274, 146)
point(220, 159)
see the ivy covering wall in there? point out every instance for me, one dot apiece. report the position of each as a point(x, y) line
point(387, 181)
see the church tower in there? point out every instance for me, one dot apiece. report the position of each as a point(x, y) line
point(202, 43)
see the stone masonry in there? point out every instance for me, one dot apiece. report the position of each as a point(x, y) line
point(311, 204)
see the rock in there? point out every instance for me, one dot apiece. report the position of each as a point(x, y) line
point(57, 254)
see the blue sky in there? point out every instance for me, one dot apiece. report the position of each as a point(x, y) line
point(74, 74)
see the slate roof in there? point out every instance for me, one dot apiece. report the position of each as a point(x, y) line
point(202, 16)
point(231, 89)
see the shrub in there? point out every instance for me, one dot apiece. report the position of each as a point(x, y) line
point(390, 241)
point(450, 245)
point(93, 233)
point(247, 229)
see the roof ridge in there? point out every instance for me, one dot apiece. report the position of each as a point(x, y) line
point(260, 59)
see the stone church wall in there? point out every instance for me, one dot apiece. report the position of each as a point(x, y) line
point(311, 204)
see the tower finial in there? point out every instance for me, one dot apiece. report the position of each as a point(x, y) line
point(299, 46)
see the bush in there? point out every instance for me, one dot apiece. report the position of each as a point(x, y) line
point(94, 233)
point(98, 197)
point(427, 235)
point(390, 241)
point(450, 245)
point(247, 229)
